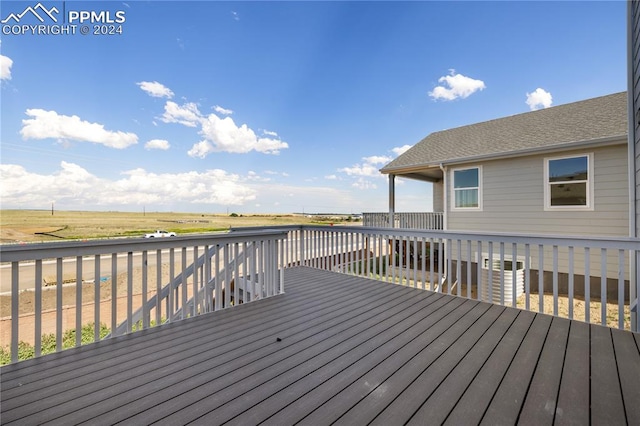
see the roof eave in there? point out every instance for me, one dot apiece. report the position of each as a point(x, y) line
point(607, 141)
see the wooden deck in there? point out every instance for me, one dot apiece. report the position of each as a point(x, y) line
point(339, 349)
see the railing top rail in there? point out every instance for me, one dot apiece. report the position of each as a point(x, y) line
point(20, 252)
point(613, 242)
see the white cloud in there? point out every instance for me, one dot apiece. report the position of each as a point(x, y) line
point(74, 186)
point(331, 177)
point(253, 176)
point(186, 114)
point(219, 134)
point(222, 111)
point(364, 184)
point(155, 89)
point(157, 144)
point(235, 15)
point(269, 133)
point(400, 149)
point(49, 124)
point(377, 159)
point(272, 172)
point(200, 149)
point(5, 67)
point(368, 168)
point(456, 86)
point(223, 135)
point(540, 98)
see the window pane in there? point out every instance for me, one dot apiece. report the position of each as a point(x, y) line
point(465, 178)
point(568, 169)
point(569, 194)
point(466, 198)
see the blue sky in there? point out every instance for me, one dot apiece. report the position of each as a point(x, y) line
point(273, 107)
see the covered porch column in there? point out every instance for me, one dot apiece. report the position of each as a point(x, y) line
point(392, 200)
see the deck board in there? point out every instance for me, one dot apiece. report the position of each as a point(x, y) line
point(573, 398)
point(344, 350)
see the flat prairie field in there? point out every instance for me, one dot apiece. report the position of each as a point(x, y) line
point(42, 225)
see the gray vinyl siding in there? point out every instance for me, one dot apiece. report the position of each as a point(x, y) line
point(635, 101)
point(513, 198)
point(438, 196)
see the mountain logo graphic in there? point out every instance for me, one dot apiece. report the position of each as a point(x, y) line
point(38, 11)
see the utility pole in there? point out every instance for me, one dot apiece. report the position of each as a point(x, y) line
point(52, 208)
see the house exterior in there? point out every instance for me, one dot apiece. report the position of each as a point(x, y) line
point(560, 171)
point(633, 61)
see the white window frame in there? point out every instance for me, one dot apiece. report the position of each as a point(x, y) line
point(453, 189)
point(589, 182)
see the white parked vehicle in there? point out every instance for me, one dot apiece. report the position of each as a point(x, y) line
point(160, 234)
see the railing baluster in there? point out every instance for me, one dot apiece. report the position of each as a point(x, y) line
point(603, 286)
point(159, 287)
point(571, 283)
point(469, 266)
point(38, 309)
point(459, 266)
point(114, 292)
point(59, 330)
point(129, 292)
point(479, 286)
point(15, 309)
point(78, 300)
point(587, 285)
point(540, 278)
point(621, 295)
point(555, 280)
point(146, 315)
point(97, 297)
point(196, 289)
point(490, 274)
point(514, 275)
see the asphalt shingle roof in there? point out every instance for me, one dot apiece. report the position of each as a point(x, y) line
point(588, 120)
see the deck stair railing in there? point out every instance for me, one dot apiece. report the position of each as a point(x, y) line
point(224, 269)
point(243, 288)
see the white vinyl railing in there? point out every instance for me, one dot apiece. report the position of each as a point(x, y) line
point(163, 280)
point(127, 284)
point(425, 220)
point(588, 279)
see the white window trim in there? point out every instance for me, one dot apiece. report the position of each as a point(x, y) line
point(453, 189)
point(590, 185)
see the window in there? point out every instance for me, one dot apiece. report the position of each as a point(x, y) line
point(466, 188)
point(568, 182)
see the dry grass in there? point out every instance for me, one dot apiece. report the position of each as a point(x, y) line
point(41, 225)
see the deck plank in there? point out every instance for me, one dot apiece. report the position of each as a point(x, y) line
point(379, 398)
point(542, 397)
point(470, 408)
point(340, 393)
point(440, 403)
point(339, 349)
point(508, 398)
point(627, 354)
point(606, 399)
point(289, 405)
point(573, 398)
